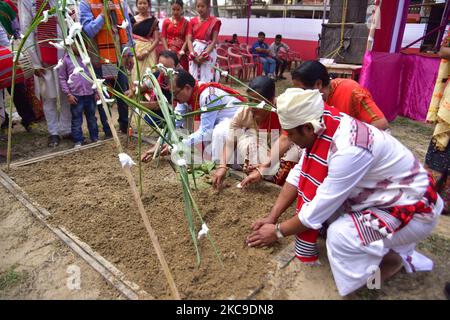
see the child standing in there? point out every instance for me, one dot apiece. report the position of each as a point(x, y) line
point(81, 98)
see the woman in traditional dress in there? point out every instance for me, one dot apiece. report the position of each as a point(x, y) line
point(146, 35)
point(437, 159)
point(174, 33)
point(202, 40)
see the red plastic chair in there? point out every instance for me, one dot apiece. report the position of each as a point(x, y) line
point(243, 46)
point(249, 64)
point(294, 58)
point(225, 45)
point(258, 64)
point(254, 65)
point(224, 64)
point(235, 62)
point(221, 51)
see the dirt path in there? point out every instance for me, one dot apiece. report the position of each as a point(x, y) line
point(34, 264)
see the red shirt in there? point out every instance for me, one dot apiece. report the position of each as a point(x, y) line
point(175, 34)
point(204, 30)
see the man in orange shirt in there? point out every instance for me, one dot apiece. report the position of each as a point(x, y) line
point(346, 95)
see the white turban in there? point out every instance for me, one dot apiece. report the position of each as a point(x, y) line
point(296, 107)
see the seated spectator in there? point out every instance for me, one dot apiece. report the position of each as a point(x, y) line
point(279, 50)
point(261, 49)
point(233, 40)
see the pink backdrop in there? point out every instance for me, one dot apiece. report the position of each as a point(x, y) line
point(401, 84)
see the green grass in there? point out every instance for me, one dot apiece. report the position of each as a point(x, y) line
point(416, 127)
point(11, 278)
point(437, 245)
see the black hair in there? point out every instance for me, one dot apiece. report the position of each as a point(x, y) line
point(206, 2)
point(264, 86)
point(234, 35)
point(311, 71)
point(171, 55)
point(178, 2)
point(184, 78)
point(278, 36)
point(148, 1)
point(261, 34)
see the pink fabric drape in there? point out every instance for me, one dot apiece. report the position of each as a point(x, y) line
point(400, 84)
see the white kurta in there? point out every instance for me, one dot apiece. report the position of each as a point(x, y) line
point(214, 125)
point(47, 87)
point(384, 175)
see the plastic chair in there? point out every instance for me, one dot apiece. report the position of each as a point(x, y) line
point(223, 52)
point(243, 46)
point(235, 62)
point(223, 64)
point(249, 64)
point(294, 58)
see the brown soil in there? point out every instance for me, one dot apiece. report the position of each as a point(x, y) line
point(87, 193)
point(34, 263)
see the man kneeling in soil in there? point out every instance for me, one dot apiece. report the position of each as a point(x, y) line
point(192, 95)
point(373, 193)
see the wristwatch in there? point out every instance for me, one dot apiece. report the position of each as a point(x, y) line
point(278, 231)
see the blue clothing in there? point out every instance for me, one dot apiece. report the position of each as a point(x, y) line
point(4, 41)
point(92, 26)
point(263, 45)
point(86, 105)
point(121, 85)
point(269, 65)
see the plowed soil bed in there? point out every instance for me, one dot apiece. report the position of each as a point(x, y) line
point(87, 193)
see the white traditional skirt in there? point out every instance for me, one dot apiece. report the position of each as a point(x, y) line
point(204, 72)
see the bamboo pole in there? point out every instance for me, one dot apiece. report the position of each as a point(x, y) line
point(134, 190)
point(140, 205)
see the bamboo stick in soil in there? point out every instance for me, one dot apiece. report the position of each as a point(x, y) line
point(137, 198)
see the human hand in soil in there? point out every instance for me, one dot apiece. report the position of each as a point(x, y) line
point(262, 237)
point(252, 178)
point(260, 222)
point(218, 178)
point(147, 156)
point(72, 100)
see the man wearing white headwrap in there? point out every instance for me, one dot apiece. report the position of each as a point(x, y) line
point(375, 195)
point(295, 97)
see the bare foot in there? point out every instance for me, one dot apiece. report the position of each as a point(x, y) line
point(390, 265)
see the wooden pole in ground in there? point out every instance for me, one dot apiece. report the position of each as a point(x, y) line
point(140, 205)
